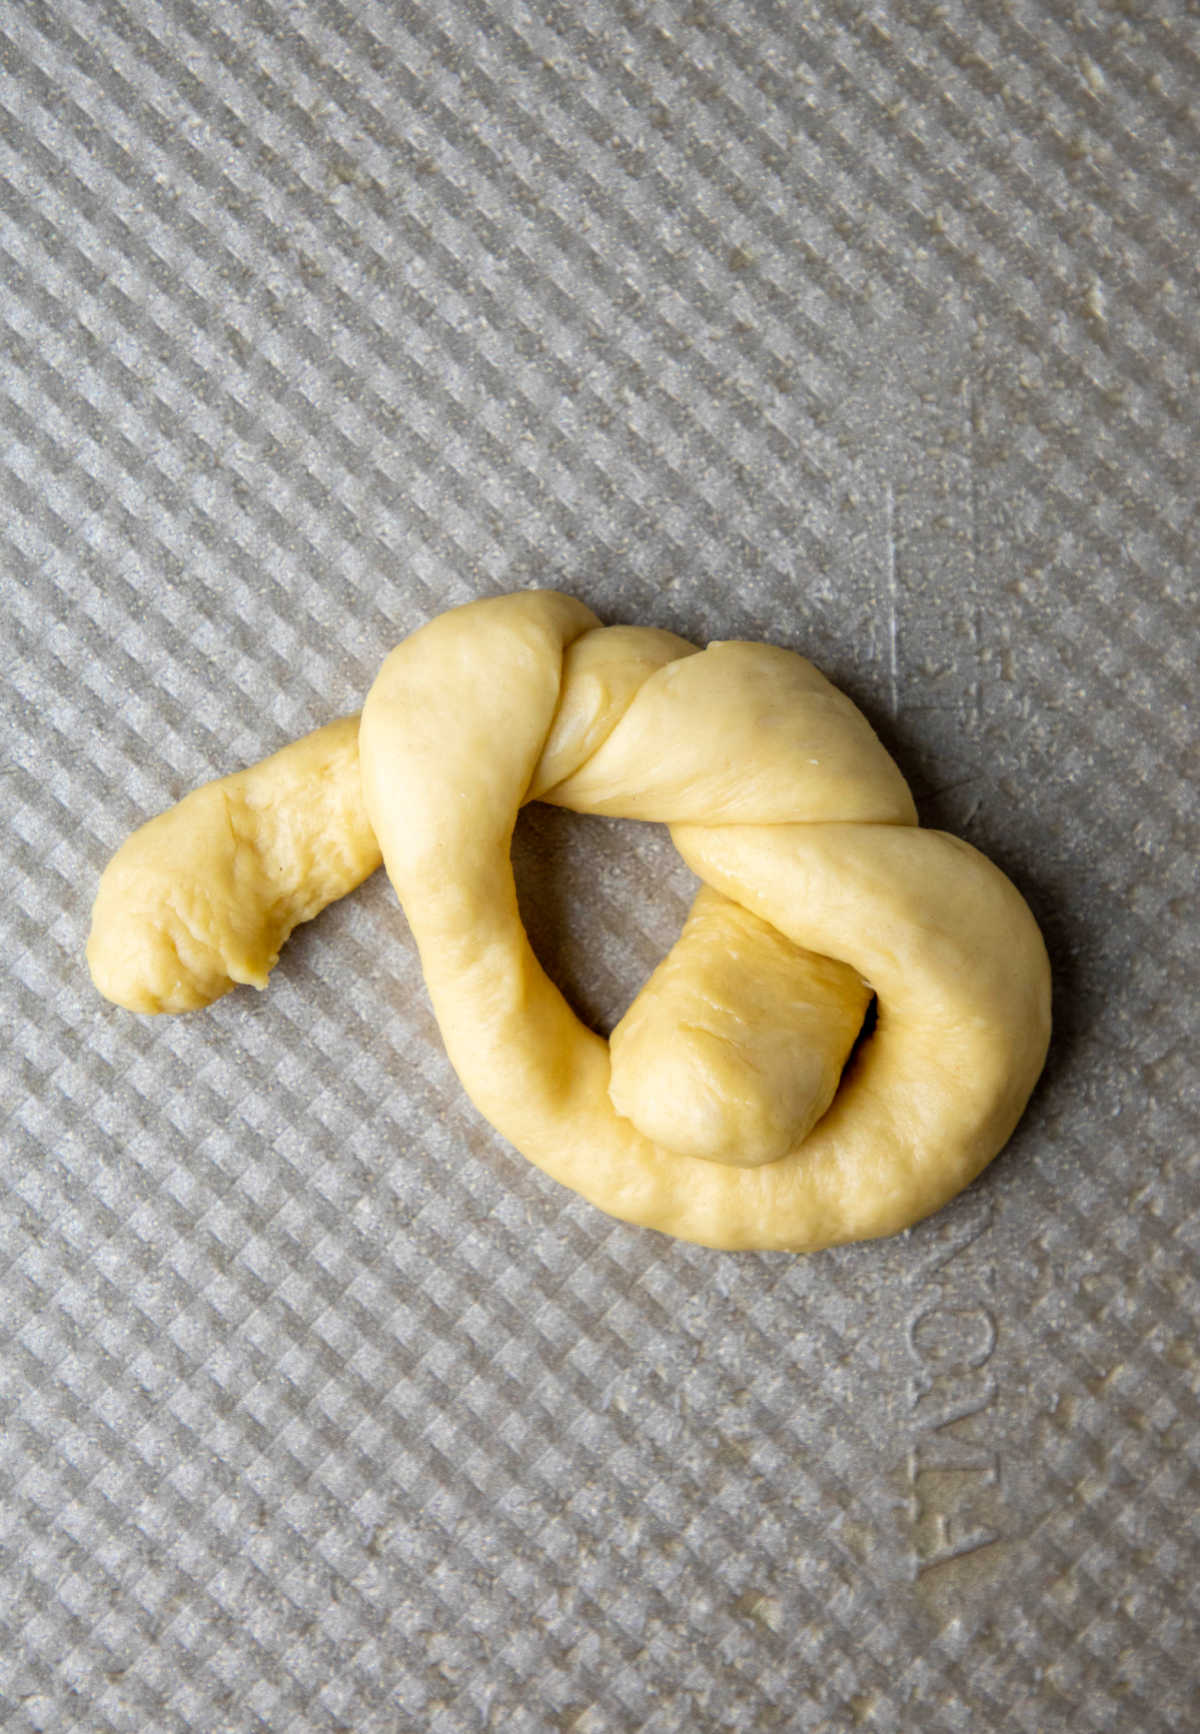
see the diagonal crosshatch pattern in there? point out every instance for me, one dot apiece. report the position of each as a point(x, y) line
point(866, 328)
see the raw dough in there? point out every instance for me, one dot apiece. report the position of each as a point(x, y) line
point(710, 1118)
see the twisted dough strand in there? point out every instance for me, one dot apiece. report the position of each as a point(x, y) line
point(819, 888)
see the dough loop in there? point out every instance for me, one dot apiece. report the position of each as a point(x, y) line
point(723, 1110)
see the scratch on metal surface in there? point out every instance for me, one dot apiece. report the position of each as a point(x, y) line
point(893, 590)
point(975, 691)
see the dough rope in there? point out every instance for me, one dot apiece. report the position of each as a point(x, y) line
point(723, 1110)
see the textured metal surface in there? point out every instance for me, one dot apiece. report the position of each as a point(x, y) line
point(869, 329)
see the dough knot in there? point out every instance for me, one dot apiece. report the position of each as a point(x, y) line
point(847, 1029)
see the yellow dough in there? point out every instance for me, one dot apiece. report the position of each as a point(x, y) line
point(723, 1110)
point(203, 897)
point(735, 1046)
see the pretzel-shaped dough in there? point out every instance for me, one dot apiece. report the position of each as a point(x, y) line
point(720, 1111)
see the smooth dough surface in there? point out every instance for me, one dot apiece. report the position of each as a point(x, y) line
point(734, 1048)
point(726, 1118)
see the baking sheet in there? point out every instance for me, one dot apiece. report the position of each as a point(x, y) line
point(869, 329)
